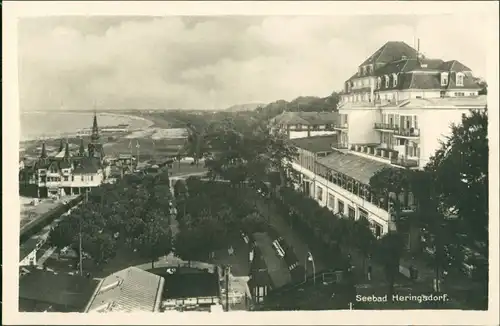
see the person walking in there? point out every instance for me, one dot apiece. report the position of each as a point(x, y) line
point(369, 272)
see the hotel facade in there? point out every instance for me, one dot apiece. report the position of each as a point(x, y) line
point(394, 112)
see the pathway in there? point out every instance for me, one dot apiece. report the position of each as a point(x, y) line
point(46, 256)
point(268, 208)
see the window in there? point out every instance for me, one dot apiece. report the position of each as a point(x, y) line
point(394, 80)
point(444, 79)
point(341, 207)
point(363, 213)
point(66, 178)
point(319, 193)
point(386, 81)
point(73, 178)
point(331, 201)
point(299, 126)
point(379, 82)
point(442, 94)
point(460, 79)
point(351, 212)
point(91, 178)
point(82, 178)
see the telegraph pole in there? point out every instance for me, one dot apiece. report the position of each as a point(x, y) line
point(80, 236)
point(227, 287)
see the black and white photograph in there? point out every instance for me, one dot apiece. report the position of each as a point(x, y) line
point(253, 162)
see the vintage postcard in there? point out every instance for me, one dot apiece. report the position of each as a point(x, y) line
point(284, 162)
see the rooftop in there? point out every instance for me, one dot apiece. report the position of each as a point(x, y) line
point(354, 166)
point(316, 144)
point(188, 283)
point(391, 51)
point(129, 290)
point(65, 292)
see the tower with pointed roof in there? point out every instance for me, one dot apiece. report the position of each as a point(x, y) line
point(95, 148)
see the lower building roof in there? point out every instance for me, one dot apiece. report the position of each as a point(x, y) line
point(354, 166)
point(129, 290)
point(316, 144)
point(58, 289)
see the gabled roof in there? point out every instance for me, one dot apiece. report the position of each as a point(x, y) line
point(63, 290)
point(87, 165)
point(391, 51)
point(354, 166)
point(290, 118)
point(316, 144)
point(129, 290)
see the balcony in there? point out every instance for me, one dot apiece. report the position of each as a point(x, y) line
point(340, 126)
point(385, 127)
point(407, 133)
point(374, 150)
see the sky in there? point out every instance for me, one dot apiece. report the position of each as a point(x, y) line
point(213, 62)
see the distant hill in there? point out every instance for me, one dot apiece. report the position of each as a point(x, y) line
point(302, 103)
point(244, 107)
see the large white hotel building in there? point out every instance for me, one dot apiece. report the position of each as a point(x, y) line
point(394, 112)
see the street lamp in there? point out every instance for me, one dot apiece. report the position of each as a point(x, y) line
point(310, 258)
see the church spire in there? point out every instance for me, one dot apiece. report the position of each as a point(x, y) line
point(43, 155)
point(95, 130)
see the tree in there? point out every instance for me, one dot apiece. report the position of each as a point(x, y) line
point(460, 168)
point(390, 252)
point(156, 238)
point(253, 223)
point(389, 184)
point(365, 240)
point(190, 243)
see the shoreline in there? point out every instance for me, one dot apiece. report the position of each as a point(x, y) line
point(26, 141)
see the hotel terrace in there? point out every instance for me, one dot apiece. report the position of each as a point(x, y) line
point(394, 112)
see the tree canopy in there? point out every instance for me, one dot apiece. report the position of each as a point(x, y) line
point(133, 211)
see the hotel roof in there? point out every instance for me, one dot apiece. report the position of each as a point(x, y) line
point(129, 290)
point(391, 51)
point(67, 292)
point(316, 144)
point(354, 166)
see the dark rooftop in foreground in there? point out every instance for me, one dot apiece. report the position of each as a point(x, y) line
point(316, 144)
point(59, 292)
point(354, 166)
point(188, 283)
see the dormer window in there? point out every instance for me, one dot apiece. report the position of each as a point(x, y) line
point(444, 79)
point(394, 80)
point(460, 79)
point(386, 81)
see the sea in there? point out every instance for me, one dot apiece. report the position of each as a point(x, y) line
point(37, 125)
